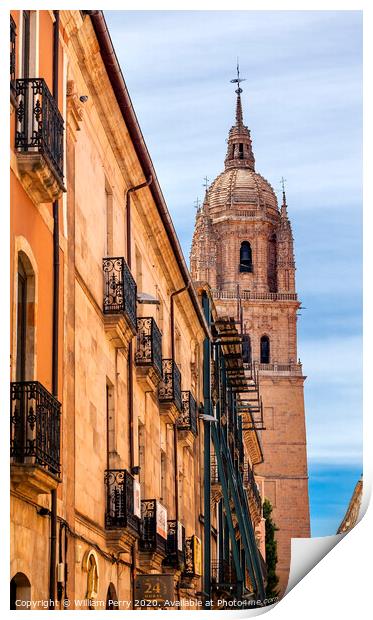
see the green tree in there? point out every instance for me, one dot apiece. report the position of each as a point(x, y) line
point(271, 550)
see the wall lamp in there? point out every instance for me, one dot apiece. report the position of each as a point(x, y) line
point(145, 298)
point(207, 418)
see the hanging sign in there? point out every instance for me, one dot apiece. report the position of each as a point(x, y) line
point(197, 555)
point(136, 499)
point(161, 520)
point(179, 536)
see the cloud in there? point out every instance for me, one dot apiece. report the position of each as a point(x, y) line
point(303, 103)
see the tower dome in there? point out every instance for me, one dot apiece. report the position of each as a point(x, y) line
point(241, 236)
point(239, 187)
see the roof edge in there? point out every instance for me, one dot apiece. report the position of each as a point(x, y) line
point(121, 93)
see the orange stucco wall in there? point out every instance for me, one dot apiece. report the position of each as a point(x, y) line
point(26, 221)
point(34, 223)
point(46, 48)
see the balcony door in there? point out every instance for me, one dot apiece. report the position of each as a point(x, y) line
point(25, 320)
point(26, 19)
point(21, 323)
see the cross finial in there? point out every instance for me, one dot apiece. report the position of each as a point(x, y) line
point(206, 183)
point(238, 79)
point(284, 205)
point(197, 204)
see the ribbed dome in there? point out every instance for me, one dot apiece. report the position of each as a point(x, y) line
point(240, 188)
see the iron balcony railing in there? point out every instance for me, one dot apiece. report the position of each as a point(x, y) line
point(223, 573)
point(13, 35)
point(149, 344)
point(120, 500)
point(39, 127)
point(187, 420)
point(34, 426)
point(175, 546)
point(253, 487)
point(214, 471)
point(153, 522)
point(169, 390)
point(119, 289)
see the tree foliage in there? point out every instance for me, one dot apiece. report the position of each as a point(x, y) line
point(271, 550)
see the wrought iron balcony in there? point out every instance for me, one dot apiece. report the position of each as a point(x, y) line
point(175, 547)
point(153, 536)
point(119, 290)
point(149, 344)
point(187, 420)
point(13, 35)
point(170, 387)
point(34, 426)
point(223, 574)
point(39, 135)
point(121, 500)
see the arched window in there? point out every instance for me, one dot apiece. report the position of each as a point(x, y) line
point(20, 591)
point(246, 262)
point(111, 597)
point(264, 350)
point(246, 349)
point(90, 565)
point(25, 319)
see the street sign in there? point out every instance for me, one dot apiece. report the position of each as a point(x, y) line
point(153, 590)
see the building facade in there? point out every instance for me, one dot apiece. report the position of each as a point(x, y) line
point(131, 472)
point(243, 248)
point(352, 515)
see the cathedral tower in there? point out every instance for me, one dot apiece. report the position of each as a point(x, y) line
point(243, 247)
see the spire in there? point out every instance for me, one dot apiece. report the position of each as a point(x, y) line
point(284, 207)
point(239, 116)
point(239, 153)
point(238, 91)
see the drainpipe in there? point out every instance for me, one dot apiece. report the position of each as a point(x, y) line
point(207, 457)
point(130, 191)
point(56, 298)
point(172, 328)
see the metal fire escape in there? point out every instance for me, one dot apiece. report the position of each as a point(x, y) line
point(228, 417)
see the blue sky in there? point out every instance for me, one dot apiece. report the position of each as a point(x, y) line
point(302, 101)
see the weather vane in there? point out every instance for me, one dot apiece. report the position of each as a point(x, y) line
point(238, 80)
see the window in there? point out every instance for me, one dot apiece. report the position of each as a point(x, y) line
point(163, 477)
point(264, 350)
point(25, 319)
point(111, 598)
point(20, 590)
point(110, 422)
point(246, 349)
point(21, 322)
point(26, 44)
point(12, 51)
point(240, 151)
point(138, 259)
point(109, 220)
point(141, 456)
point(90, 564)
point(246, 263)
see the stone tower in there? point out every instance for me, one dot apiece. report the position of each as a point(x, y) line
point(243, 247)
